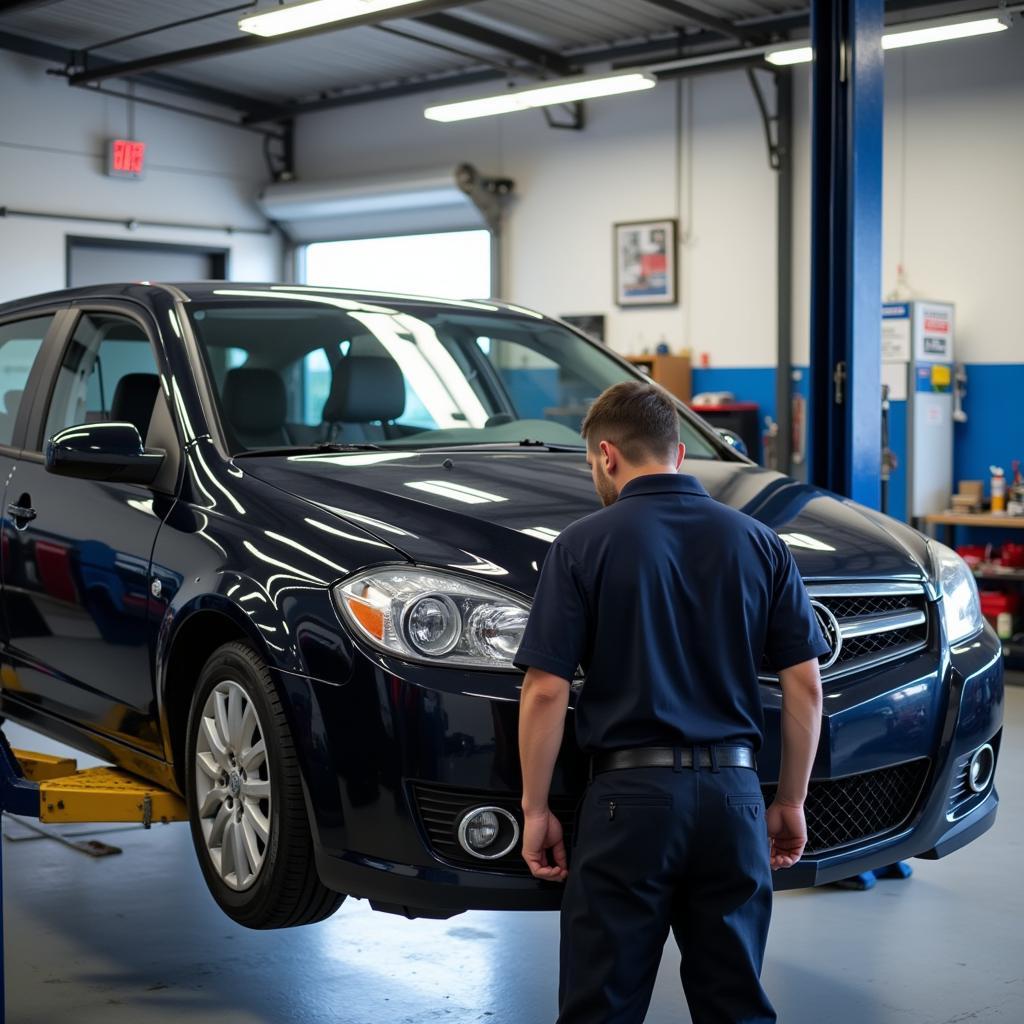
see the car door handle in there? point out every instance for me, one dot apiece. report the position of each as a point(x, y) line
point(21, 514)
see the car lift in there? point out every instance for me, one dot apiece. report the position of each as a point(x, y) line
point(53, 790)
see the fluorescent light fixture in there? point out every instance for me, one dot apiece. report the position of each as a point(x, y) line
point(565, 90)
point(901, 37)
point(940, 33)
point(279, 21)
point(794, 55)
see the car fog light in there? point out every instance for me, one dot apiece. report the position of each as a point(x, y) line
point(488, 832)
point(981, 768)
point(482, 829)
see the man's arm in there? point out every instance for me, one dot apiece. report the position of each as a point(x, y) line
point(542, 707)
point(801, 724)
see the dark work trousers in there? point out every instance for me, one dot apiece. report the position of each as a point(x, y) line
point(659, 849)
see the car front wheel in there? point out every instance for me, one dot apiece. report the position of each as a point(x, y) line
point(246, 807)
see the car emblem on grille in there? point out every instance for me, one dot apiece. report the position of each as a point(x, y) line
point(830, 631)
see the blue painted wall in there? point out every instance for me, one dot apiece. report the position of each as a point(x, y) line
point(993, 433)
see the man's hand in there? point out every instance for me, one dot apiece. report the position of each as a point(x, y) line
point(542, 831)
point(787, 830)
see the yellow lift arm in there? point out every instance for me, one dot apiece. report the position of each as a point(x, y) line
point(96, 794)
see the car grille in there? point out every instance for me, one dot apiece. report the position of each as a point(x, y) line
point(860, 807)
point(839, 812)
point(875, 627)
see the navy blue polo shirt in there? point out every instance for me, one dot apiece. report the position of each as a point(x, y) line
point(671, 602)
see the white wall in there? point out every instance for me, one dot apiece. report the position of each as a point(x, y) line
point(953, 208)
point(954, 163)
point(572, 186)
point(52, 159)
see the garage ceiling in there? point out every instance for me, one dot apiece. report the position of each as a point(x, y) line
point(456, 43)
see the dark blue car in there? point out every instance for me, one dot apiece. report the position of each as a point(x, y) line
point(273, 547)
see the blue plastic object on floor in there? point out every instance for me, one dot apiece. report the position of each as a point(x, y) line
point(867, 879)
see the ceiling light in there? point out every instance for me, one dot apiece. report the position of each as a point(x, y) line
point(794, 55)
point(278, 21)
point(934, 33)
point(939, 33)
point(565, 90)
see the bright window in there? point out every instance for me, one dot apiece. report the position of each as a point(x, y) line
point(447, 265)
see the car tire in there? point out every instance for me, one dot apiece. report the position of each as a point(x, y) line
point(246, 807)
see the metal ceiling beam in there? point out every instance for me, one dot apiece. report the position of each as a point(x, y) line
point(708, 21)
point(8, 6)
point(246, 43)
point(548, 60)
point(168, 83)
point(352, 97)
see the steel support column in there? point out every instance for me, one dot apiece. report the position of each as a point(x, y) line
point(844, 423)
point(784, 269)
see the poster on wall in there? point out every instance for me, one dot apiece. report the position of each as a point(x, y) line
point(645, 263)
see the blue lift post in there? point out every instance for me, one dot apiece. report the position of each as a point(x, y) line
point(847, 78)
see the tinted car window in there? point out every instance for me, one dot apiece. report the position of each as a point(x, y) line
point(19, 345)
point(109, 372)
point(324, 369)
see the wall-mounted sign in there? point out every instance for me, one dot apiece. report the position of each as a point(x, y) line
point(645, 263)
point(125, 158)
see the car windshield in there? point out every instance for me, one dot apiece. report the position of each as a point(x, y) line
point(296, 369)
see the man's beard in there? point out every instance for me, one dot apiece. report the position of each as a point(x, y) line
point(605, 488)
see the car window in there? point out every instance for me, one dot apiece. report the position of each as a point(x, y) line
point(20, 343)
point(108, 373)
point(300, 372)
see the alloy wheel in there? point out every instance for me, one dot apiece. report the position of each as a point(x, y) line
point(232, 781)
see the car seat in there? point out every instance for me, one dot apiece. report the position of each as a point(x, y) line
point(367, 395)
point(133, 401)
point(256, 406)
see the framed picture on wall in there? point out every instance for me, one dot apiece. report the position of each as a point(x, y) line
point(591, 324)
point(645, 263)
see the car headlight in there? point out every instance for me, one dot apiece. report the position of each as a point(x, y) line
point(431, 615)
point(961, 606)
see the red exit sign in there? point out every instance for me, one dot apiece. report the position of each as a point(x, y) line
point(125, 158)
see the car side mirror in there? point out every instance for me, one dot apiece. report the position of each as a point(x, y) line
point(733, 440)
point(103, 451)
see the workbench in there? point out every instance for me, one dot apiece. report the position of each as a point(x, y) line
point(1013, 650)
point(987, 520)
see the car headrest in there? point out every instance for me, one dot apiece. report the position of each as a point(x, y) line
point(133, 401)
point(254, 399)
point(365, 389)
point(12, 399)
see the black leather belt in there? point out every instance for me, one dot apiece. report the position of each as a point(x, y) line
point(719, 756)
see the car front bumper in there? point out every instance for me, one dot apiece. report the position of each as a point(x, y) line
point(371, 746)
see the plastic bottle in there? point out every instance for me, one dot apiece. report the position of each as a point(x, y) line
point(998, 488)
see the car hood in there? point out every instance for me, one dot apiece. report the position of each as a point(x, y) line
point(493, 513)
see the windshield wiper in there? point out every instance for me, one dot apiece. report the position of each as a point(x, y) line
point(552, 446)
point(494, 446)
point(311, 449)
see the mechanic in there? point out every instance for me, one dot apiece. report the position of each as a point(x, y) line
point(669, 601)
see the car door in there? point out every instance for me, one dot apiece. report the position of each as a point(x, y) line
point(21, 343)
point(76, 575)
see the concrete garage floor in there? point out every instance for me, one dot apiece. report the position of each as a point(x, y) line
point(135, 938)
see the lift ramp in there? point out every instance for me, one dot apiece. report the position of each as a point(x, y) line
point(68, 795)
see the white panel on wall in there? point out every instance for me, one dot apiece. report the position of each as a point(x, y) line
point(52, 159)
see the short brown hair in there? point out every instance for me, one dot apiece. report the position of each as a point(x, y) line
point(638, 418)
